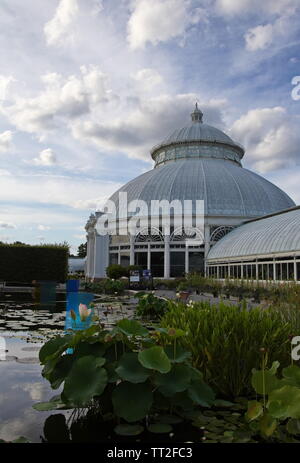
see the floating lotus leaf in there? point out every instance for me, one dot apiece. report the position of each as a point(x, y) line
point(155, 358)
point(129, 429)
point(131, 370)
point(132, 401)
point(85, 380)
point(170, 419)
point(160, 428)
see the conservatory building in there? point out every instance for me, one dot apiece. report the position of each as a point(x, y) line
point(197, 163)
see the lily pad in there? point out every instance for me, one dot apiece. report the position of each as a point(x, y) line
point(128, 429)
point(160, 428)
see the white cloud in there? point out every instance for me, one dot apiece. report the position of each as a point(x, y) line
point(57, 30)
point(45, 158)
point(158, 21)
point(4, 172)
point(233, 7)
point(7, 225)
point(63, 97)
point(43, 228)
point(270, 136)
point(5, 82)
point(147, 78)
point(149, 123)
point(6, 141)
point(261, 37)
point(61, 191)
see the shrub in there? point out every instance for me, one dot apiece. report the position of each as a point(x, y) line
point(151, 306)
point(116, 271)
point(225, 341)
point(25, 263)
point(132, 376)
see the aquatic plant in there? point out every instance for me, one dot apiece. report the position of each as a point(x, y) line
point(131, 373)
point(224, 340)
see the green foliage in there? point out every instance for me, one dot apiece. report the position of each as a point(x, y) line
point(151, 306)
point(128, 373)
point(116, 271)
point(277, 414)
point(25, 263)
point(82, 250)
point(107, 286)
point(225, 341)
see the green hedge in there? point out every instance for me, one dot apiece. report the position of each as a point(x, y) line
point(24, 263)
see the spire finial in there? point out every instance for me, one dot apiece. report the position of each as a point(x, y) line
point(197, 114)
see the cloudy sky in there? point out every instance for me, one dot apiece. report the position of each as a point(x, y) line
point(87, 87)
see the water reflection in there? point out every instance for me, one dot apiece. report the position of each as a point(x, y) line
point(21, 386)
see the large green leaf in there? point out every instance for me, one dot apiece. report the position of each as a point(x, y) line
point(201, 393)
point(60, 371)
point(54, 347)
point(178, 354)
point(85, 348)
point(284, 402)
point(132, 328)
point(155, 358)
point(177, 380)
point(132, 401)
point(267, 425)
point(264, 382)
point(85, 380)
point(291, 375)
point(131, 370)
point(255, 409)
point(293, 427)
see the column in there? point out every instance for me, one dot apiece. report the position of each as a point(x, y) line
point(92, 255)
point(274, 269)
point(101, 256)
point(149, 257)
point(186, 259)
point(206, 245)
point(295, 269)
point(167, 257)
point(132, 237)
point(119, 256)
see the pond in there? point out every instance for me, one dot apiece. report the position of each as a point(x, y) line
point(24, 327)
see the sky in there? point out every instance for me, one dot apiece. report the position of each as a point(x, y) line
point(88, 87)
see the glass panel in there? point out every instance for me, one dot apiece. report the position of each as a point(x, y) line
point(177, 264)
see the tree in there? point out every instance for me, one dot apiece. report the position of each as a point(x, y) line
point(81, 252)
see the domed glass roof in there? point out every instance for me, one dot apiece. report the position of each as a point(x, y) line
point(226, 188)
point(197, 140)
point(199, 162)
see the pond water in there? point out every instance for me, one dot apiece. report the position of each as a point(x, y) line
point(24, 327)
